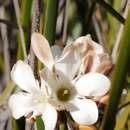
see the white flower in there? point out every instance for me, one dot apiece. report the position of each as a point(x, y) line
point(94, 58)
point(66, 91)
point(33, 100)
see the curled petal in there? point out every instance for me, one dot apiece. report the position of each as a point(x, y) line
point(87, 112)
point(86, 43)
point(104, 67)
point(20, 104)
point(42, 49)
point(93, 84)
point(23, 76)
point(49, 117)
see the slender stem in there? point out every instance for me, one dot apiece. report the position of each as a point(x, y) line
point(62, 126)
point(89, 16)
point(124, 105)
point(6, 46)
point(7, 91)
point(65, 21)
point(35, 28)
point(35, 16)
point(111, 10)
point(119, 77)
point(17, 11)
point(7, 22)
point(39, 123)
point(13, 25)
point(50, 20)
point(119, 33)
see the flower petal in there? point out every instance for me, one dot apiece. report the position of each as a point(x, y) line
point(56, 51)
point(93, 84)
point(20, 104)
point(87, 112)
point(56, 81)
point(86, 43)
point(42, 49)
point(49, 117)
point(23, 76)
point(69, 63)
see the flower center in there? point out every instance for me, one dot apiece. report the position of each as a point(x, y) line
point(63, 94)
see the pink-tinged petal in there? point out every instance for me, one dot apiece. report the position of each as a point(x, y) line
point(93, 84)
point(87, 113)
point(42, 49)
point(69, 63)
point(96, 63)
point(20, 104)
point(105, 67)
point(49, 117)
point(86, 43)
point(23, 76)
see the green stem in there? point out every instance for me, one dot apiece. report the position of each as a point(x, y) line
point(119, 78)
point(50, 20)
point(39, 123)
point(62, 126)
point(7, 91)
point(111, 10)
point(25, 18)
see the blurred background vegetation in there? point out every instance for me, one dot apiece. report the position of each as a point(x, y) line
point(63, 21)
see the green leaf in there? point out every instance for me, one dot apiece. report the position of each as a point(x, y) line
point(119, 78)
point(123, 115)
point(50, 20)
point(25, 17)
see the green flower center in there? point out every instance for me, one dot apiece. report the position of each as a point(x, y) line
point(63, 94)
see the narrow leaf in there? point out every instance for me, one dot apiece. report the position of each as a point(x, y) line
point(119, 77)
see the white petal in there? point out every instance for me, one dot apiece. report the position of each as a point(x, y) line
point(20, 104)
point(42, 49)
point(87, 112)
point(69, 63)
point(56, 51)
point(97, 47)
point(49, 117)
point(23, 76)
point(93, 84)
point(49, 79)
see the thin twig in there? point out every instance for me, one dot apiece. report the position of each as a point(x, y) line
point(6, 46)
point(111, 10)
point(17, 11)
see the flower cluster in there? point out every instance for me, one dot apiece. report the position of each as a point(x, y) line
point(69, 77)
